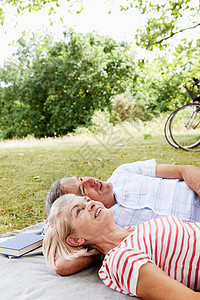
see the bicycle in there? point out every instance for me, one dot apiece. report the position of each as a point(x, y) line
point(182, 128)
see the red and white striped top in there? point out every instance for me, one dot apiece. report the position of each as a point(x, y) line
point(172, 245)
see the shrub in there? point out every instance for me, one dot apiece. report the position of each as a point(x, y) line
point(124, 107)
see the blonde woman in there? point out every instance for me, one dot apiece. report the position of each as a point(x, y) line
point(142, 261)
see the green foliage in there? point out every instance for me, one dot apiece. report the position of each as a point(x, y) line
point(164, 20)
point(168, 94)
point(52, 88)
point(100, 121)
point(126, 108)
point(160, 83)
point(22, 6)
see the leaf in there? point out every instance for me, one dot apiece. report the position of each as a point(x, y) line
point(37, 178)
point(147, 136)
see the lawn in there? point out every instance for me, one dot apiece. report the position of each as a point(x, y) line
point(30, 166)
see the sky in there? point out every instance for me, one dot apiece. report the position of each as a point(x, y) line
point(117, 24)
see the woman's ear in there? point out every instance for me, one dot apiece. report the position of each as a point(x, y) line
point(74, 241)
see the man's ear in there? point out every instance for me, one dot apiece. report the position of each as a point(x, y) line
point(74, 241)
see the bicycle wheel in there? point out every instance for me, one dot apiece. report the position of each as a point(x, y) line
point(185, 126)
point(167, 132)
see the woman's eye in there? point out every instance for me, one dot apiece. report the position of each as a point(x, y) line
point(79, 210)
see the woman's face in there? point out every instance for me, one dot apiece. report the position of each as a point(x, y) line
point(89, 218)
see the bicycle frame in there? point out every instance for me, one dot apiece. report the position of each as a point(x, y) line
point(192, 117)
point(194, 94)
point(187, 118)
point(194, 127)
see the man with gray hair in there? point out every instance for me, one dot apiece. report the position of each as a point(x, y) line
point(136, 192)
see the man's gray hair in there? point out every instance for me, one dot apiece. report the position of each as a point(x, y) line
point(55, 192)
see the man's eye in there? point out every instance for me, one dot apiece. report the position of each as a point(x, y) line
point(83, 191)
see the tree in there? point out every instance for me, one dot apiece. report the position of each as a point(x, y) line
point(58, 88)
point(160, 83)
point(36, 5)
point(164, 19)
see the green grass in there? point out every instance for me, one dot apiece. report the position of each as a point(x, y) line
point(29, 167)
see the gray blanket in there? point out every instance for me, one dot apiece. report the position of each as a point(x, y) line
point(28, 278)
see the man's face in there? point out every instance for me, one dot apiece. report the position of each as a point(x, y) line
point(93, 188)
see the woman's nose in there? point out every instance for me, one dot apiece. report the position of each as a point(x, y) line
point(90, 205)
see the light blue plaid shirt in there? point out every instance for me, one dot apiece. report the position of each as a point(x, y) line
point(141, 196)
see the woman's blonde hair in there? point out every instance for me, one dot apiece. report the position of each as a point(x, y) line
point(57, 229)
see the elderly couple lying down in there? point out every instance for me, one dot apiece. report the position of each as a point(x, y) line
point(157, 259)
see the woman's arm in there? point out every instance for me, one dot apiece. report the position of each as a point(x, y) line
point(190, 174)
point(154, 284)
point(69, 267)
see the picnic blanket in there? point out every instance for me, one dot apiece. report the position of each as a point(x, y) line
point(28, 278)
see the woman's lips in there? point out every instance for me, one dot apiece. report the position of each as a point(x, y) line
point(97, 212)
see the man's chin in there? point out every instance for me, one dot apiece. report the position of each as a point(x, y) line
point(109, 187)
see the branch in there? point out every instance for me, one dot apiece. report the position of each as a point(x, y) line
point(172, 34)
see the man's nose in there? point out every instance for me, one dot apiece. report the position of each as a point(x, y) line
point(88, 180)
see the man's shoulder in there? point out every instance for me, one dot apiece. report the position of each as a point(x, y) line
point(146, 167)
